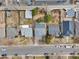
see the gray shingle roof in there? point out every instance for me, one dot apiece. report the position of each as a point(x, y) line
point(28, 14)
point(2, 33)
point(40, 30)
point(77, 28)
point(39, 33)
point(40, 25)
point(70, 13)
point(78, 15)
point(11, 32)
point(27, 32)
point(53, 30)
point(68, 28)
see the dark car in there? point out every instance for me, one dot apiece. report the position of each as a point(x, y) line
point(72, 53)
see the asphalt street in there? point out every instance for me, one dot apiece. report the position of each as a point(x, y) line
point(52, 2)
point(37, 50)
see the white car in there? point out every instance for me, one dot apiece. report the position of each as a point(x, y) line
point(67, 46)
point(58, 46)
point(4, 51)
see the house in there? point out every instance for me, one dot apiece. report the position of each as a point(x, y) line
point(22, 2)
point(28, 14)
point(53, 29)
point(2, 19)
point(11, 32)
point(40, 30)
point(40, 25)
point(67, 27)
point(77, 28)
point(50, 2)
point(70, 13)
point(26, 31)
point(77, 15)
point(12, 18)
point(2, 32)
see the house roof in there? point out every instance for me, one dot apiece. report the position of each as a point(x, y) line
point(28, 14)
point(49, 0)
point(27, 32)
point(2, 33)
point(40, 25)
point(68, 28)
point(78, 15)
point(53, 29)
point(40, 32)
point(77, 28)
point(70, 13)
point(11, 32)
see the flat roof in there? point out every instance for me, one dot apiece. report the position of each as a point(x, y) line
point(28, 14)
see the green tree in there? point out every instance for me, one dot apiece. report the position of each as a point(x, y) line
point(40, 20)
point(35, 11)
point(47, 18)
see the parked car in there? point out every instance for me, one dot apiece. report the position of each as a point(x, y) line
point(72, 53)
point(66, 46)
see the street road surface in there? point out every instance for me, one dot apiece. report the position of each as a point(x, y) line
point(37, 50)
